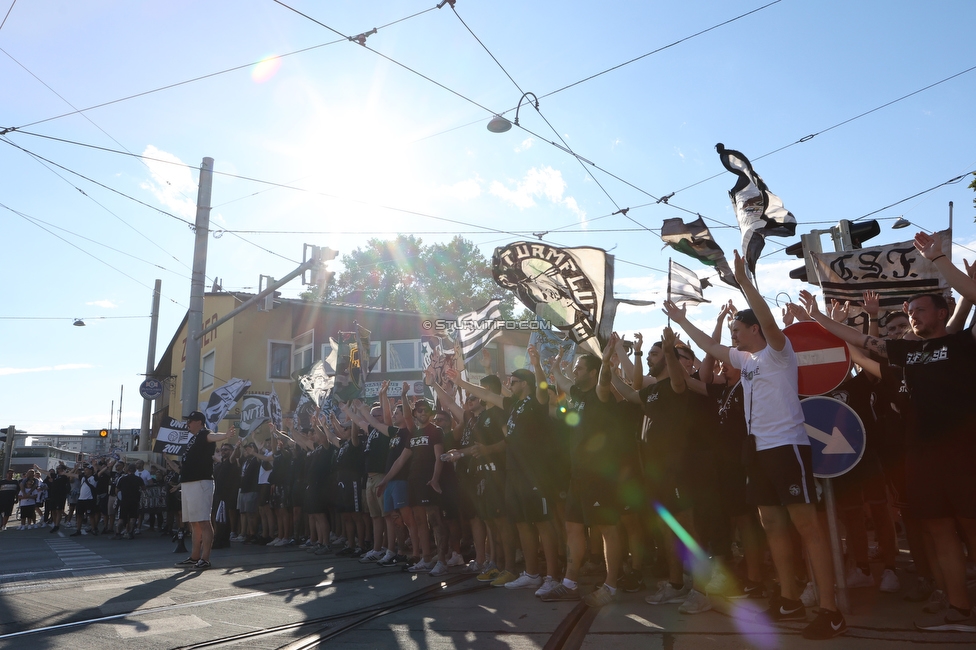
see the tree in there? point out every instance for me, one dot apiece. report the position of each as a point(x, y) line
point(438, 279)
point(972, 186)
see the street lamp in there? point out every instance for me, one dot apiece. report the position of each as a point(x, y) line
point(499, 124)
point(900, 222)
point(79, 322)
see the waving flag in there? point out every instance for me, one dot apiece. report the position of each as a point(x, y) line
point(274, 404)
point(683, 285)
point(695, 240)
point(760, 212)
point(474, 330)
point(222, 399)
point(570, 288)
point(317, 384)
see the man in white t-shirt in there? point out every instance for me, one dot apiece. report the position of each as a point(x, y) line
point(780, 473)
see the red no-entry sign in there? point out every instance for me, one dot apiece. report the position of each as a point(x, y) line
point(823, 359)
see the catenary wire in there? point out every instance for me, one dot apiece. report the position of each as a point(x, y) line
point(7, 15)
point(101, 261)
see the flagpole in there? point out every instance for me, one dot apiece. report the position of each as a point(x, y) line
point(669, 288)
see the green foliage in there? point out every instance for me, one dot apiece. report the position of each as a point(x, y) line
point(403, 273)
point(972, 186)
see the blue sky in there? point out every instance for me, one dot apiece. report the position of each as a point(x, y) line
point(374, 146)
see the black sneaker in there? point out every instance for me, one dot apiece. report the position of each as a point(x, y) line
point(77, 533)
point(631, 581)
point(201, 565)
point(751, 589)
point(347, 552)
point(782, 609)
point(827, 625)
point(55, 529)
point(187, 562)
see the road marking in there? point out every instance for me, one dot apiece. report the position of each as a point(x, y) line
point(74, 555)
point(159, 626)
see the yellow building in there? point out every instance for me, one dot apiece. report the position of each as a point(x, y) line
point(271, 348)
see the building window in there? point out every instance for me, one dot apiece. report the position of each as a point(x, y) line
point(207, 369)
point(302, 358)
point(403, 355)
point(327, 364)
point(375, 352)
point(279, 360)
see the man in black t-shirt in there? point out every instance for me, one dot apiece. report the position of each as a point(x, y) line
point(941, 446)
point(8, 497)
point(57, 494)
point(129, 489)
point(198, 487)
point(528, 440)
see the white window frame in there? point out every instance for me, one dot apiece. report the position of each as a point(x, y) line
point(297, 351)
point(376, 350)
point(204, 377)
point(418, 359)
point(291, 350)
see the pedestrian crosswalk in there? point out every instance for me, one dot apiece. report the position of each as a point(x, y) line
point(74, 555)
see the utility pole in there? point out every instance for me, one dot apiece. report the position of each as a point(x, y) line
point(191, 370)
point(150, 368)
point(8, 449)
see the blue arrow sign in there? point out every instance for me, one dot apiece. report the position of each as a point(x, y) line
point(836, 435)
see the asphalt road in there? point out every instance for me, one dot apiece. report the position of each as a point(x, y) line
point(94, 592)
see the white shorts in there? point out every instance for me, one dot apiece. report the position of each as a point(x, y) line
point(197, 500)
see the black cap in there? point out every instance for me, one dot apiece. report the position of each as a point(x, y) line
point(746, 316)
point(196, 416)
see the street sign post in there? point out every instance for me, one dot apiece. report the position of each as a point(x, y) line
point(837, 441)
point(823, 360)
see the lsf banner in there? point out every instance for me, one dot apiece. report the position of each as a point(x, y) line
point(173, 437)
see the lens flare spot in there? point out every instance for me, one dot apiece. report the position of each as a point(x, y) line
point(265, 69)
point(572, 418)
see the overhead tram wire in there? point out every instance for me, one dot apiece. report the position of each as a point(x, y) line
point(612, 68)
point(7, 15)
point(487, 110)
point(101, 261)
point(208, 75)
point(811, 136)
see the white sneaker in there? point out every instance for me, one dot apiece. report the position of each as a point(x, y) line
point(274, 542)
point(667, 594)
point(719, 584)
point(440, 569)
point(372, 556)
point(889, 582)
point(695, 603)
point(473, 567)
point(455, 560)
point(524, 581)
point(856, 579)
point(22, 527)
point(546, 587)
point(809, 597)
point(389, 555)
point(421, 567)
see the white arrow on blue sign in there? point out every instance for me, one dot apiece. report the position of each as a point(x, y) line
point(836, 435)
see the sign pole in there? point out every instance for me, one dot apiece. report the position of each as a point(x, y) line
point(843, 604)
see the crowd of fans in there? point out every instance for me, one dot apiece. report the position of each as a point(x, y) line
point(696, 473)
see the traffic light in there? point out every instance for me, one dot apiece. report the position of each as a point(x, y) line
point(320, 275)
point(808, 243)
point(854, 234)
point(103, 433)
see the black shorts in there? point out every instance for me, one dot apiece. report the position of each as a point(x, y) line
point(56, 503)
point(297, 495)
point(467, 494)
point(316, 500)
point(421, 494)
point(128, 510)
point(489, 496)
point(939, 480)
point(281, 497)
point(348, 494)
point(864, 484)
point(264, 494)
point(85, 507)
point(27, 512)
point(7, 509)
point(450, 500)
point(731, 481)
point(631, 491)
point(593, 502)
point(524, 502)
point(781, 476)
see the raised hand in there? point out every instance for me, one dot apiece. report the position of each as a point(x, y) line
point(675, 313)
point(809, 302)
point(839, 311)
point(533, 355)
point(930, 247)
point(739, 268)
point(871, 303)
